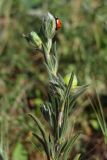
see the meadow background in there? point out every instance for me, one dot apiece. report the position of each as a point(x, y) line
point(81, 47)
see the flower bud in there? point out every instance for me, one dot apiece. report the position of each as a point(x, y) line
point(49, 26)
point(34, 39)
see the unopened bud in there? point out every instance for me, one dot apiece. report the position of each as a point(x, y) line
point(34, 39)
point(49, 26)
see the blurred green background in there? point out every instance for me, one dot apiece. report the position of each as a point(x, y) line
point(81, 46)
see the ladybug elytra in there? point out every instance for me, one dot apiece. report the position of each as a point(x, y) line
point(58, 23)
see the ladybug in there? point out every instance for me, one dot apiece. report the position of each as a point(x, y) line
point(58, 23)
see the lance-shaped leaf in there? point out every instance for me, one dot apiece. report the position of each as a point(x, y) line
point(42, 131)
point(69, 146)
point(67, 92)
point(60, 150)
point(74, 82)
point(66, 95)
point(42, 143)
point(79, 91)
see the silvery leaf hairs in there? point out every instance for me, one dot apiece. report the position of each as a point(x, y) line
point(58, 141)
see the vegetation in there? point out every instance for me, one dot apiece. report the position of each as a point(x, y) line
point(62, 98)
point(81, 47)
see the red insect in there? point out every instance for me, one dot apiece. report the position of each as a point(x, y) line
point(58, 23)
